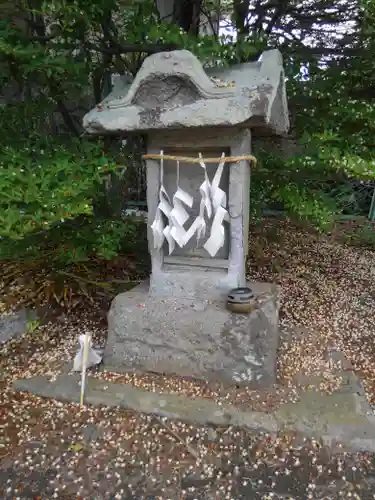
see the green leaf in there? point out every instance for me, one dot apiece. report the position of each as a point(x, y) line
point(76, 447)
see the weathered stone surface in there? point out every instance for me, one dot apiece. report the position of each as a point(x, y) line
point(338, 418)
point(188, 337)
point(191, 271)
point(15, 325)
point(350, 382)
point(173, 91)
point(337, 359)
point(201, 411)
point(180, 324)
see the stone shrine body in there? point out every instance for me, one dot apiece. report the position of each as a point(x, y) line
point(178, 322)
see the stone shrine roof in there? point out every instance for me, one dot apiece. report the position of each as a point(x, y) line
point(173, 91)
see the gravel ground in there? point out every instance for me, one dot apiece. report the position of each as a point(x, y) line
point(54, 450)
point(128, 456)
point(328, 300)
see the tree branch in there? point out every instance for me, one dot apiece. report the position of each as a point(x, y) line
point(278, 13)
point(118, 48)
point(147, 48)
point(241, 12)
point(319, 51)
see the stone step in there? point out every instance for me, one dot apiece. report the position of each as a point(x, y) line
point(338, 418)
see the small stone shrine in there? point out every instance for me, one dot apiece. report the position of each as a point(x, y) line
point(199, 126)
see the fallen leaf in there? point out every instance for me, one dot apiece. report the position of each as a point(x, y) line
point(76, 447)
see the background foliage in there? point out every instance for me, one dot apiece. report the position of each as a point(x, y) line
point(62, 195)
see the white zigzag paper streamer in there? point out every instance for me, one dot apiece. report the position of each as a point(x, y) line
point(219, 197)
point(205, 205)
point(213, 200)
point(219, 202)
point(164, 207)
point(179, 215)
point(199, 224)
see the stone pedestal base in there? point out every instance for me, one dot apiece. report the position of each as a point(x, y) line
point(204, 340)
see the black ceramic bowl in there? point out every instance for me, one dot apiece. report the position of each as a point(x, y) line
point(240, 300)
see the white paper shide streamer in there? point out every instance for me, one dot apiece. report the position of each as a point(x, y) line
point(219, 203)
point(164, 207)
point(213, 202)
point(179, 215)
point(94, 356)
point(174, 232)
point(85, 358)
point(199, 225)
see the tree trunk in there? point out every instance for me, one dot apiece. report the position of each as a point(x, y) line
point(184, 13)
